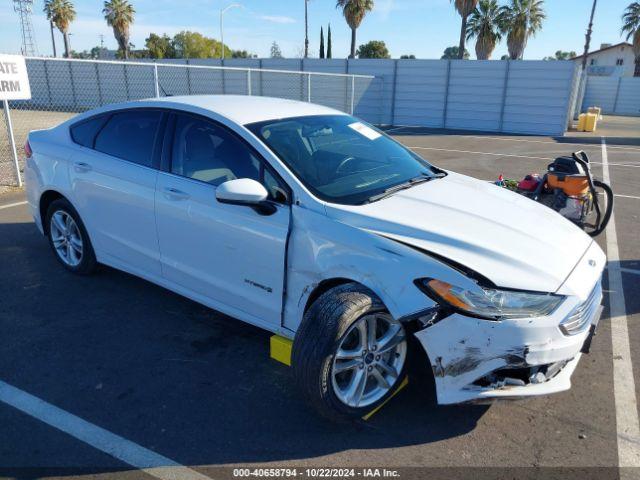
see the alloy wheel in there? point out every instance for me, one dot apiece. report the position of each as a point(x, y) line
point(369, 360)
point(66, 238)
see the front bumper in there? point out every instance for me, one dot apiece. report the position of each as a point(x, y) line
point(475, 360)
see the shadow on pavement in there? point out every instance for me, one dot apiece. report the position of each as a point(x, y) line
point(171, 375)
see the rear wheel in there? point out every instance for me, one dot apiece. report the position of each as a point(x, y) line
point(69, 239)
point(349, 354)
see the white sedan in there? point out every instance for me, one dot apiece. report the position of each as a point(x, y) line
point(312, 224)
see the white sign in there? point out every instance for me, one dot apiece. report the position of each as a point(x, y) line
point(365, 131)
point(14, 81)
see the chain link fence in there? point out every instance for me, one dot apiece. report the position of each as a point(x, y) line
point(61, 88)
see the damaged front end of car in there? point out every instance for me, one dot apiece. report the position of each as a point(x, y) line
point(479, 358)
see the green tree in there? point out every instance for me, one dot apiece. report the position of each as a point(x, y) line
point(487, 23)
point(464, 8)
point(453, 53)
point(523, 19)
point(275, 50)
point(373, 49)
point(160, 46)
point(407, 57)
point(188, 44)
point(561, 55)
point(354, 12)
point(631, 27)
point(119, 15)
point(321, 43)
point(329, 42)
point(241, 54)
point(61, 13)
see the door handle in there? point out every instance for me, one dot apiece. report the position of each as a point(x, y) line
point(175, 194)
point(81, 167)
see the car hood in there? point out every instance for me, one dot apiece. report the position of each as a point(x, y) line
point(509, 239)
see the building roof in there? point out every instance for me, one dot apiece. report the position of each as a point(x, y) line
point(621, 44)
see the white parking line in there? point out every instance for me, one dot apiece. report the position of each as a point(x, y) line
point(479, 153)
point(627, 424)
point(507, 139)
point(11, 205)
point(512, 155)
point(124, 450)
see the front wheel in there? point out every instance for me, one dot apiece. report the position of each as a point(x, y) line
point(349, 354)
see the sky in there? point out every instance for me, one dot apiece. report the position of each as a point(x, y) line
point(423, 28)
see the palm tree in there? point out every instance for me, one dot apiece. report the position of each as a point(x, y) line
point(354, 11)
point(61, 13)
point(486, 24)
point(523, 19)
point(464, 8)
point(631, 26)
point(119, 15)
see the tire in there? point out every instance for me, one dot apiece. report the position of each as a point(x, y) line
point(68, 238)
point(334, 323)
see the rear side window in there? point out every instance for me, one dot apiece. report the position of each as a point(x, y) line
point(84, 133)
point(130, 135)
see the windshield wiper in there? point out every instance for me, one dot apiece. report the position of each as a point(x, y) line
point(422, 178)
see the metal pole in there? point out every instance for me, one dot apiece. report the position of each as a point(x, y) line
point(393, 92)
point(588, 37)
point(155, 80)
point(615, 101)
point(445, 107)
point(12, 141)
point(98, 84)
point(306, 30)
point(53, 39)
point(222, 34)
point(309, 87)
point(583, 72)
point(505, 89)
point(73, 87)
point(353, 93)
point(233, 5)
point(248, 81)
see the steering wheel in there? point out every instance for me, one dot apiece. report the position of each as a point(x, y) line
point(343, 163)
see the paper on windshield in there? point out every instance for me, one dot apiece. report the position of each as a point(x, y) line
point(365, 131)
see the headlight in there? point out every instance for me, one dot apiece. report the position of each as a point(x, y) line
point(492, 303)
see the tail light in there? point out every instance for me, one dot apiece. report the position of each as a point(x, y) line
point(27, 149)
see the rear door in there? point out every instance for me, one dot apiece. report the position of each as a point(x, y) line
point(230, 255)
point(113, 176)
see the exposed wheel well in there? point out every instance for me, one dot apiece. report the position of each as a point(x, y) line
point(47, 199)
point(324, 286)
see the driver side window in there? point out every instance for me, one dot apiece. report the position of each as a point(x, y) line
point(209, 153)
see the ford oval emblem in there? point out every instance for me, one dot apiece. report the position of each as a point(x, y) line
point(592, 263)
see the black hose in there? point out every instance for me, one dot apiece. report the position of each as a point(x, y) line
point(601, 225)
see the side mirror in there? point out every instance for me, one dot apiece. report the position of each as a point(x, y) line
point(247, 192)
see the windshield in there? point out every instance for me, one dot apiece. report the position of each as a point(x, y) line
point(341, 159)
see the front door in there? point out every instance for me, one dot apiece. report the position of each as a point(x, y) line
point(230, 255)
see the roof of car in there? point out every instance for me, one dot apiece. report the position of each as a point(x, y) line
point(244, 109)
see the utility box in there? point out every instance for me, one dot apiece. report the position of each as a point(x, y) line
point(588, 122)
point(596, 110)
